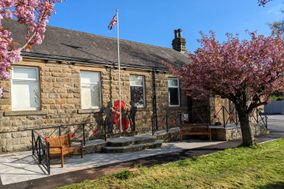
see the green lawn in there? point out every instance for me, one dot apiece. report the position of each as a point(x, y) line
point(259, 167)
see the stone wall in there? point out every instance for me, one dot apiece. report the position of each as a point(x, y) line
point(222, 111)
point(235, 133)
point(60, 101)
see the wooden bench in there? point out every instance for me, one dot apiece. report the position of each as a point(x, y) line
point(61, 146)
point(195, 129)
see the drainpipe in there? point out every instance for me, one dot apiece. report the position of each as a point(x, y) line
point(154, 102)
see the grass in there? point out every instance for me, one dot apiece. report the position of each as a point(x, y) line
point(259, 167)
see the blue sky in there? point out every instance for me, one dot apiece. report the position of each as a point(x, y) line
point(153, 21)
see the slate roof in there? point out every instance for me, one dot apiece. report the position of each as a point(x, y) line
point(63, 44)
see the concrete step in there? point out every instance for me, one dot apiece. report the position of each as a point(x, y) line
point(126, 141)
point(132, 147)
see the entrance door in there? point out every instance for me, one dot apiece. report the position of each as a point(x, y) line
point(198, 110)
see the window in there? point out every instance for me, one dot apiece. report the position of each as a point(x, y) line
point(174, 97)
point(25, 88)
point(90, 90)
point(137, 91)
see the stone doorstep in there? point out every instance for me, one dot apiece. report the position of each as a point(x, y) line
point(132, 148)
point(228, 126)
point(94, 146)
point(125, 141)
point(164, 132)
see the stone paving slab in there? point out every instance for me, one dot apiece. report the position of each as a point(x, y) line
point(19, 167)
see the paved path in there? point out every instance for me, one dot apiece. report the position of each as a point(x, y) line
point(20, 166)
point(275, 126)
point(276, 123)
point(18, 170)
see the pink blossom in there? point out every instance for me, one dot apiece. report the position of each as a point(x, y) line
point(245, 72)
point(234, 66)
point(32, 13)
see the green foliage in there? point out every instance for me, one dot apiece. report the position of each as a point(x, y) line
point(276, 98)
point(124, 175)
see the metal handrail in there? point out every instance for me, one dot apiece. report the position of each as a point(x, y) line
point(263, 118)
point(46, 127)
point(224, 110)
point(232, 116)
point(40, 147)
point(166, 119)
point(40, 150)
point(60, 130)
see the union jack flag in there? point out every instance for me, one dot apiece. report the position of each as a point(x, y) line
point(112, 22)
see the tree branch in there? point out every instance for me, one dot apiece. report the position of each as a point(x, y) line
point(252, 106)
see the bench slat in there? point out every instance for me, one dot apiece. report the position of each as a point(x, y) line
point(201, 129)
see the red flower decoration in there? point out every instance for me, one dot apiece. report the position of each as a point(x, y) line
point(125, 124)
point(94, 132)
point(116, 117)
point(71, 135)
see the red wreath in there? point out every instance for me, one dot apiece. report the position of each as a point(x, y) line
point(116, 115)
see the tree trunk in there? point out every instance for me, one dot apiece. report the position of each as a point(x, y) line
point(247, 136)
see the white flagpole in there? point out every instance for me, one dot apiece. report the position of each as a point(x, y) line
point(119, 77)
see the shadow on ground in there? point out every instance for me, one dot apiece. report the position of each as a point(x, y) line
point(278, 185)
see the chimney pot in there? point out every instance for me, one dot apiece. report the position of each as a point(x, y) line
point(179, 42)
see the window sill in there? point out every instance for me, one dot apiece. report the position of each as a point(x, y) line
point(175, 107)
point(141, 108)
point(25, 113)
point(88, 111)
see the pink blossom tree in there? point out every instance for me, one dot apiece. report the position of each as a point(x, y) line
point(245, 72)
point(34, 14)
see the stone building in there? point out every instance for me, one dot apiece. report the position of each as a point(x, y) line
point(68, 78)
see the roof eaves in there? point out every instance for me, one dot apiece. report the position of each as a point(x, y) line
point(88, 61)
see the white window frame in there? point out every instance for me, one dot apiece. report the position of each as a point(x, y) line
point(176, 87)
point(36, 81)
point(143, 86)
point(91, 83)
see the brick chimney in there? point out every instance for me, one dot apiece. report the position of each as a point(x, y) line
point(179, 42)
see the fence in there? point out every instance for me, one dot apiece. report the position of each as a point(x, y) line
point(227, 116)
point(259, 118)
point(167, 120)
point(40, 150)
point(231, 117)
point(40, 147)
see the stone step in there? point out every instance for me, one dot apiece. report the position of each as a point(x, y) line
point(126, 141)
point(94, 146)
point(132, 147)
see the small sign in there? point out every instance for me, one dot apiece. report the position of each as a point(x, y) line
point(184, 117)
